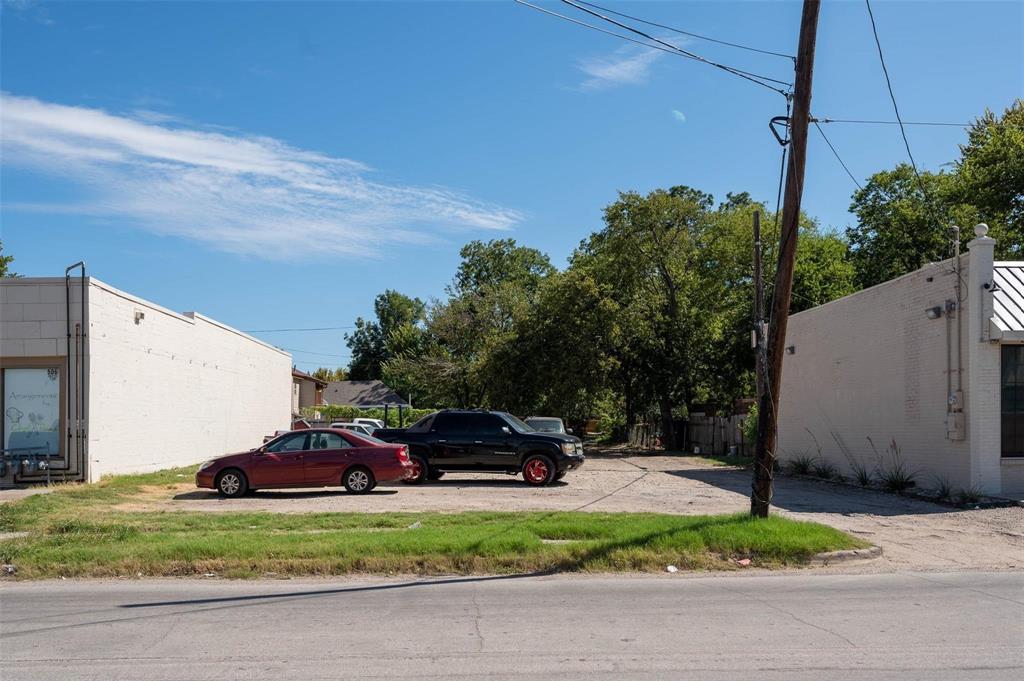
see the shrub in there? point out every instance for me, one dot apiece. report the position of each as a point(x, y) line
point(802, 464)
point(943, 490)
point(750, 425)
point(893, 473)
point(861, 472)
point(969, 495)
point(825, 470)
point(334, 412)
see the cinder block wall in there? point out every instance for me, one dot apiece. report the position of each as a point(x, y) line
point(33, 328)
point(872, 365)
point(174, 389)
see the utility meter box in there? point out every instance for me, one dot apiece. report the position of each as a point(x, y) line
point(955, 425)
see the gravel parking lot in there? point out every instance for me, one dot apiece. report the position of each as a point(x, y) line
point(913, 534)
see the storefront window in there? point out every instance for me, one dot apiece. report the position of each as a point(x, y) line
point(1012, 384)
point(31, 411)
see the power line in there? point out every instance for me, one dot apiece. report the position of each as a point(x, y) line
point(674, 50)
point(321, 354)
point(682, 32)
point(321, 328)
point(896, 109)
point(836, 153)
point(692, 55)
point(851, 120)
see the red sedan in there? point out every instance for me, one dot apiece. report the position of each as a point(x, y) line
point(308, 458)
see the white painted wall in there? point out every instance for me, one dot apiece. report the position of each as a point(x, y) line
point(176, 389)
point(872, 365)
point(171, 390)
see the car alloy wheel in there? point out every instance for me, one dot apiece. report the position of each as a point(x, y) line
point(358, 481)
point(537, 471)
point(232, 484)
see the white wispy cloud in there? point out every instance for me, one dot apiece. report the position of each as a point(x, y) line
point(678, 115)
point(628, 65)
point(242, 194)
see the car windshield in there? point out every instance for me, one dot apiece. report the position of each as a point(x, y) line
point(546, 425)
point(521, 426)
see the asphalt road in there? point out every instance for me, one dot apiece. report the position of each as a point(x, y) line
point(905, 626)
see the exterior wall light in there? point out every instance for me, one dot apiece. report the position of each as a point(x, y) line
point(791, 350)
point(933, 312)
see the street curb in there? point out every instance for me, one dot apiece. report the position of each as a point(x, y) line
point(829, 557)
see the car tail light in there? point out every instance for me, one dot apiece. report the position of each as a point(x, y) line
point(403, 454)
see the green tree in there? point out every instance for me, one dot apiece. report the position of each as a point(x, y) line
point(652, 258)
point(990, 176)
point(5, 262)
point(327, 374)
point(457, 362)
point(899, 231)
point(399, 321)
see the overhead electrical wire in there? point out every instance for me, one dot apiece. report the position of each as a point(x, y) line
point(896, 109)
point(689, 33)
point(671, 49)
point(323, 354)
point(319, 328)
point(692, 55)
point(869, 122)
point(836, 154)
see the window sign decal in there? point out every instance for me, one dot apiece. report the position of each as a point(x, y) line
point(32, 411)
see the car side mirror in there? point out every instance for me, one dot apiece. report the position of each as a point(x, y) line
point(260, 451)
point(569, 430)
point(506, 430)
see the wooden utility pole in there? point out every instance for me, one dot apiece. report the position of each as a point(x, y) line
point(768, 405)
point(759, 339)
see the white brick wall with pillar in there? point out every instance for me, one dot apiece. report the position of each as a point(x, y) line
point(983, 363)
point(879, 366)
point(161, 388)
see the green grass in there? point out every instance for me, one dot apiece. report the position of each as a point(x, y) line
point(75, 532)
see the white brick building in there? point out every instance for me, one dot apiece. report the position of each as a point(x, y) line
point(145, 387)
point(898, 362)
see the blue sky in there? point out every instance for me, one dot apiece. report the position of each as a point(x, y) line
point(278, 165)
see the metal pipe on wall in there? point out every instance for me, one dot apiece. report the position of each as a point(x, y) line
point(78, 375)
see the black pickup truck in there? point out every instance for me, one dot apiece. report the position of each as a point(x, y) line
point(484, 441)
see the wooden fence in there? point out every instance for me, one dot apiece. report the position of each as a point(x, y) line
point(711, 434)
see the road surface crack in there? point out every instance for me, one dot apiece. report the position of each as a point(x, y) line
point(792, 615)
point(476, 621)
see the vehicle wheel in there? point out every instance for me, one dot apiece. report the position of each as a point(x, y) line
point(435, 475)
point(560, 475)
point(420, 470)
point(538, 470)
point(358, 480)
point(232, 483)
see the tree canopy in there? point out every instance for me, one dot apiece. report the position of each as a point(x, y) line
point(5, 263)
point(899, 228)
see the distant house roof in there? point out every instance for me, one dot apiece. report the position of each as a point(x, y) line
point(306, 377)
point(362, 394)
point(1008, 301)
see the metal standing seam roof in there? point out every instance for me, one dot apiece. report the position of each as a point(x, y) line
point(362, 394)
point(1008, 301)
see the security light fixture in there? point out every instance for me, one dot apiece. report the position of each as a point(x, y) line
point(790, 349)
point(933, 312)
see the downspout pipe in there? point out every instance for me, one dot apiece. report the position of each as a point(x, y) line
point(79, 380)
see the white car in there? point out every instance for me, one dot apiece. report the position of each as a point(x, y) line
point(360, 428)
point(373, 423)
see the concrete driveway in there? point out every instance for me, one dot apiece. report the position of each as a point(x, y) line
point(913, 534)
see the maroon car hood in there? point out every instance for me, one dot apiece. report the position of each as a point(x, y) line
point(237, 457)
